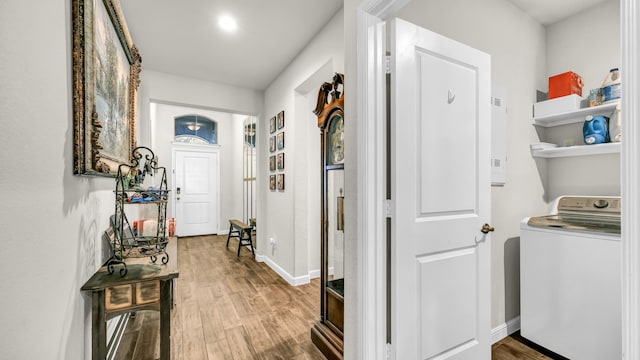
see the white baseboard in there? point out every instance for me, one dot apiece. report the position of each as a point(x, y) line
point(503, 330)
point(314, 274)
point(293, 281)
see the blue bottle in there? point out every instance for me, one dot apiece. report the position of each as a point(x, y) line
point(596, 130)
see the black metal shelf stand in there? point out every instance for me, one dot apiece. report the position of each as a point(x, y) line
point(127, 241)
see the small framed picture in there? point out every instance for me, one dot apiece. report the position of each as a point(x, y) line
point(272, 162)
point(272, 182)
point(281, 119)
point(272, 125)
point(272, 144)
point(280, 140)
point(280, 161)
point(281, 182)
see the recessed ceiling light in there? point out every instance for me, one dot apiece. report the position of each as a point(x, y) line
point(227, 23)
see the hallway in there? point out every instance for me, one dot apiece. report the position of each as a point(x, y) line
point(228, 307)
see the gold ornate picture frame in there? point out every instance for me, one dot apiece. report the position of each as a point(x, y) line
point(106, 76)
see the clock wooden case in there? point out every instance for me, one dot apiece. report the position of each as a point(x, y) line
point(327, 333)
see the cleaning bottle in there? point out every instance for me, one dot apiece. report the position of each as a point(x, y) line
point(617, 133)
point(611, 86)
point(596, 129)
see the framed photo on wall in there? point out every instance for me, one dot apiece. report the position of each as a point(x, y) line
point(280, 140)
point(272, 125)
point(281, 119)
point(281, 182)
point(106, 75)
point(272, 163)
point(272, 182)
point(281, 161)
point(272, 143)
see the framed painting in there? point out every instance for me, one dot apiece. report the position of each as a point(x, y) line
point(281, 119)
point(281, 182)
point(272, 144)
point(272, 182)
point(272, 163)
point(106, 76)
point(280, 140)
point(272, 125)
point(281, 161)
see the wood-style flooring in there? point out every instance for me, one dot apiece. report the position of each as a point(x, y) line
point(230, 307)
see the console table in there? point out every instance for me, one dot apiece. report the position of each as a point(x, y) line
point(146, 286)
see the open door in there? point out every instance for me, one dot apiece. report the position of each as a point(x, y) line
point(441, 193)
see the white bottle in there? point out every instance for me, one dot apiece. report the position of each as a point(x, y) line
point(616, 135)
point(611, 86)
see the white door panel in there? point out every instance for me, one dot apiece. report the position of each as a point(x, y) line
point(440, 164)
point(446, 117)
point(197, 178)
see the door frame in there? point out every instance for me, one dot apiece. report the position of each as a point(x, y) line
point(370, 337)
point(211, 149)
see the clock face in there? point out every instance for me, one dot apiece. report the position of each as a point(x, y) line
point(336, 140)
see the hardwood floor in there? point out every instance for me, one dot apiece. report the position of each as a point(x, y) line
point(230, 307)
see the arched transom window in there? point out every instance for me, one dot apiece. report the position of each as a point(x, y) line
point(196, 129)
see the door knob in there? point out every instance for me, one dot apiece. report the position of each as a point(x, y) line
point(486, 228)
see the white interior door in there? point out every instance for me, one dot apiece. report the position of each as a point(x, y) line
point(195, 191)
point(440, 155)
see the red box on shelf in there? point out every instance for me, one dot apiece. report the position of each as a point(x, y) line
point(565, 84)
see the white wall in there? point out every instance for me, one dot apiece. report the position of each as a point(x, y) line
point(171, 89)
point(229, 136)
point(280, 214)
point(587, 43)
point(51, 220)
point(516, 43)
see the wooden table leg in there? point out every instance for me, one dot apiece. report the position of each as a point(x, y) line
point(99, 327)
point(165, 319)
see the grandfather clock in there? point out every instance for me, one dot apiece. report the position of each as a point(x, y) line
point(327, 333)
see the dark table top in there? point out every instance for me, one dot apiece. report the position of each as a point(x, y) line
point(139, 269)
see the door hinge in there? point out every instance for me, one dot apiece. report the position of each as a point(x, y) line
point(387, 64)
point(388, 351)
point(387, 208)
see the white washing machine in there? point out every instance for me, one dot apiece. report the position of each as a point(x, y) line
point(570, 278)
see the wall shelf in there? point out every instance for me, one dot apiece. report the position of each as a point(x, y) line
point(580, 150)
point(574, 116)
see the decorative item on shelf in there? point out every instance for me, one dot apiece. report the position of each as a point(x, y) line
point(132, 241)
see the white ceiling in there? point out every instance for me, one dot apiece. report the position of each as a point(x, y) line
point(550, 11)
point(183, 38)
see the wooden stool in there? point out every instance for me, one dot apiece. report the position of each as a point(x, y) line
point(242, 231)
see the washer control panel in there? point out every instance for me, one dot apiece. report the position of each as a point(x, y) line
point(602, 205)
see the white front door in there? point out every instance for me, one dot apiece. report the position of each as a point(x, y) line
point(440, 166)
point(195, 190)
